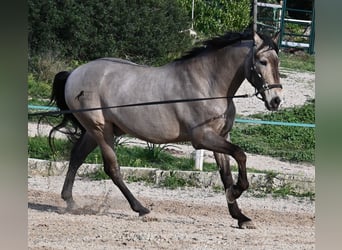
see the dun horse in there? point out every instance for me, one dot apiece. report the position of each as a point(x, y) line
point(215, 69)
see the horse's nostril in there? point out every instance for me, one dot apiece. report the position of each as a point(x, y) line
point(275, 102)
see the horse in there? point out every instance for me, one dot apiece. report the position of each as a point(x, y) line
point(216, 68)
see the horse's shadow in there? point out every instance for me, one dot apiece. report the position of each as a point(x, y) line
point(84, 210)
point(44, 207)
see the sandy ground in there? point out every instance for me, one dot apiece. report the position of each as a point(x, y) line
point(188, 218)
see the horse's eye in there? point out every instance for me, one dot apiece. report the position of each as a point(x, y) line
point(263, 62)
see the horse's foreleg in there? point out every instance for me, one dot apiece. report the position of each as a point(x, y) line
point(112, 169)
point(206, 138)
point(222, 161)
point(210, 140)
point(85, 145)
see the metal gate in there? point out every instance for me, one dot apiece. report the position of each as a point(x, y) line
point(294, 32)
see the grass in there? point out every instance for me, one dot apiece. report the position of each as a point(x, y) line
point(303, 62)
point(281, 192)
point(174, 182)
point(38, 147)
point(296, 144)
point(127, 156)
point(285, 191)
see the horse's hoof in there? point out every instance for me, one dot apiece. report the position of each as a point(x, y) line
point(143, 211)
point(70, 205)
point(246, 225)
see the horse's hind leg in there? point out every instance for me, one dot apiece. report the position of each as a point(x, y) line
point(222, 161)
point(85, 145)
point(105, 140)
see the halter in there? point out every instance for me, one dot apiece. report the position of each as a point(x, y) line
point(258, 81)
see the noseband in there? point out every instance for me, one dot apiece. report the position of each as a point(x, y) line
point(260, 84)
point(258, 81)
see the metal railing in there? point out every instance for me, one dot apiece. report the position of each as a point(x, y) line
point(277, 19)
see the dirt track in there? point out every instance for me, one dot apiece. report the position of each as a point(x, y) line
point(180, 219)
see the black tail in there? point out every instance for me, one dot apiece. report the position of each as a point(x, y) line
point(58, 87)
point(58, 98)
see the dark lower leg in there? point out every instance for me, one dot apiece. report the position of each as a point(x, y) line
point(242, 184)
point(113, 171)
point(210, 140)
point(80, 151)
point(223, 162)
point(68, 184)
point(243, 220)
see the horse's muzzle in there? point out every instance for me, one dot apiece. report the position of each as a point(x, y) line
point(274, 104)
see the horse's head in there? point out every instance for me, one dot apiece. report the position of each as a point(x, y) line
point(262, 68)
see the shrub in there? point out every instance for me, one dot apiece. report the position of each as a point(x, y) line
point(37, 89)
point(142, 31)
point(45, 66)
point(213, 18)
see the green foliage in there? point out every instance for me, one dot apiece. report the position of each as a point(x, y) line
point(142, 31)
point(286, 191)
point(288, 143)
point(44, 66)
point(155, 151)
point(283, 192)
point(213, 18)
point(38, 147)
point(65, 34)
point(144, 157)
point(38, 89)
point(146, 179)
point(173, 181)
point(98, 175)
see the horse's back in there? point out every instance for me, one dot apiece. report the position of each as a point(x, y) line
point(98, 76)
point(111, 82)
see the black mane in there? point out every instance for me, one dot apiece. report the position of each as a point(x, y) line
point(227, 39)
point(217, 43)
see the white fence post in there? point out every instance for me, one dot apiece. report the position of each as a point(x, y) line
point(199, 159)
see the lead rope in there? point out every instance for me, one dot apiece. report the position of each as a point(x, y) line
point(59, 112)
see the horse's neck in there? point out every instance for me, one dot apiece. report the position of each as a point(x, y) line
point(216, 73)
point(226, 68)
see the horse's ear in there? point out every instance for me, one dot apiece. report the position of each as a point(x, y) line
point(257, 40)
point(276, 37)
